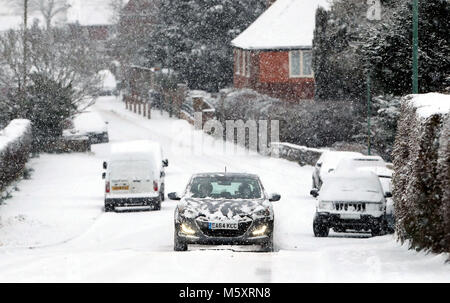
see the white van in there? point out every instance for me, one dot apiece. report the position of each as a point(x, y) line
point(133, 176)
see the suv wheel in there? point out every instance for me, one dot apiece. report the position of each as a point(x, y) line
point(320, 230)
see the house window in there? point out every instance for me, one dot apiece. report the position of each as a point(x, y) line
point(307, 63)
point(300, 64)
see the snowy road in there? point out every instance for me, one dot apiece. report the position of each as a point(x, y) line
point(53, 229)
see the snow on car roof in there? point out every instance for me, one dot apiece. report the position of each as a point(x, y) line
point(362, 161)
point(225, 174)
point(330, 159)
point(87, 122)
point(134, 150)
point(286, 24)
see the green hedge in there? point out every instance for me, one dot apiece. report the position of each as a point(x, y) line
point(421, 179)
point(15, 147)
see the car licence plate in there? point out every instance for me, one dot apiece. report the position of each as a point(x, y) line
point(223, 225)
point(350, 216)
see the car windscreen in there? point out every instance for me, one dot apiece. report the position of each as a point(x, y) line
point(225, 187)
point(131, 170)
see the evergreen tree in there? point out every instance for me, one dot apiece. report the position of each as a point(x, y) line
point(193, 37)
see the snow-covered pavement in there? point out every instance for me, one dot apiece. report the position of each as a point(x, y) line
point(54, 229)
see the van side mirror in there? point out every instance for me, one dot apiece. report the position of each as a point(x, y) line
point(275, 197)
point(314, 192)
point(319, 164)
point(104, 176)
point(105, 165)
point(388, 195)
point(174, 196)
point(165, 163)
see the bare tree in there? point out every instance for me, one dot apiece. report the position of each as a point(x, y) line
point(49, 9)
point(66, 56)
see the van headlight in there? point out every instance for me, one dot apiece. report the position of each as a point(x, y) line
point(326, 205)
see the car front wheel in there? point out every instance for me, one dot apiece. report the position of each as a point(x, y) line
point(268, 246)
point(179, 245)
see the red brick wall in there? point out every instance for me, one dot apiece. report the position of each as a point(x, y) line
point(270, 76)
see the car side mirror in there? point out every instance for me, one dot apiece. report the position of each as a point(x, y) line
point(314, 192)
point(174, 196)
point(165, 163)
point(104, 176)
point(331, 170)
point(105, 165)
point(319, 165)
point(275, 197)
point(388, 195)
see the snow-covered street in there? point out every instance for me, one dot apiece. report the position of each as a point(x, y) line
point(54, 229)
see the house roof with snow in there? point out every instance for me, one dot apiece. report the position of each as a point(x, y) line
point(286, 24)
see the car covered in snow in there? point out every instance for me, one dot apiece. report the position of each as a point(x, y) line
point(327, 164)
point(133, 176)
point(224, 208)
point(350, 200)
point(88, 124)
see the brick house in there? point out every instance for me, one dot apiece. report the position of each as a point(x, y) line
point(274, 54)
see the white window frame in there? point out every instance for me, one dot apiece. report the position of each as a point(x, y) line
point(248, 64)
point(238, 62)
point(244, 63)
point(301, 75)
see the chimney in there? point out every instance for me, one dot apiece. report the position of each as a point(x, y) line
point(270, 2)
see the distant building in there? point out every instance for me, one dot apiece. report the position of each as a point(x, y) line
point(274, 54)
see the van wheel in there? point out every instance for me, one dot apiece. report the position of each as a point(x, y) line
point(178, 244)
point(109, 208)
point(161, 194)
point(320, 230)
point(157, 205)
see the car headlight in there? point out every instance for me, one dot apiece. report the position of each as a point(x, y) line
point(186, 229)
point(259, 231)
point(326, 205)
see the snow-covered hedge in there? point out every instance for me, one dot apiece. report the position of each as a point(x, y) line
point(15, 146)
point(421, 180)
point(315, 124)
